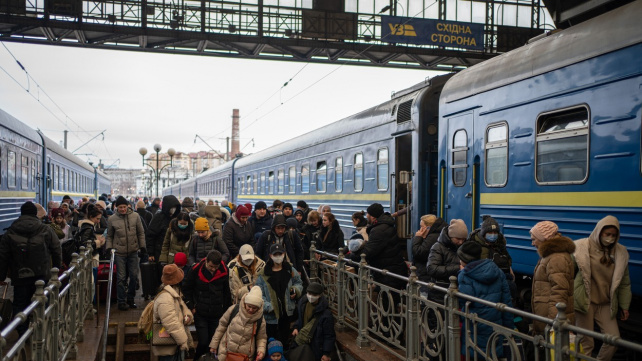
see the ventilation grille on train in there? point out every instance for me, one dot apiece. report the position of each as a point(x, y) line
point(403, 112)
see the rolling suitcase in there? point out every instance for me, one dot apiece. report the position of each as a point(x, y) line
point(6, 308)
point(150, 278)
point(103, 278)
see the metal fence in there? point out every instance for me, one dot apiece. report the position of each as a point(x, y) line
point(56, 315)
point(411, 327)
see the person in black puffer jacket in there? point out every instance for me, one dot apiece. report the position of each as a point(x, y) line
point(155, 236)
point(238, 231)
point(443, 261)
point(331, 236)
point(207, 294)
point(422, 242)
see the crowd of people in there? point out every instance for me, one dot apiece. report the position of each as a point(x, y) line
point(240, 272)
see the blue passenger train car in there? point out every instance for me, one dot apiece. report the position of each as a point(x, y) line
point(550, 131)
point(35, 168)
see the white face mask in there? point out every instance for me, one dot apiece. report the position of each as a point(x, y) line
point(172, 210)
point(248, 262)
point(278, 259)
point(311, 298)
point(608, 240)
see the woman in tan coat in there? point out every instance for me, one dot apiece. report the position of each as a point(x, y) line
point(554, 273)
point(245, 332)
point(171, 311)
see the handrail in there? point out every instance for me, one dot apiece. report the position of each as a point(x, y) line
point(413, 327)
point(108, 308)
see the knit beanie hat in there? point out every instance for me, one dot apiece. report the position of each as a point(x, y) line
point(260, 205)
point(121, 200)
point(254, 297)
point(241, 211)
point(187, 202)
point(102, 204)
point(180, 259)
point(375, 210)
point(469, 251)
point(291, 222)
point(544, 230)
point(248, 206)
point(288, 205)
point(274, 346)
point(172, 274)
point(302, 204)
point(201, 224)
point(457, 229)
point(489, 225)
point(28, 209)
point(57, 212)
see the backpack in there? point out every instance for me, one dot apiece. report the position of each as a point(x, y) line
point(146, 319)
point(71, 246)
point(31, 254)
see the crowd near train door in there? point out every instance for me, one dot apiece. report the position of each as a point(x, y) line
point(460, 184)
point(403, 183)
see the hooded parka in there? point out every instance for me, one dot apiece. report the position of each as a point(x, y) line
point(243, 277)
point(176, 240)
point(271, 301)
point(421, 248)
point(159, 224)
point(125, 233)
point(199, 247)
point(290, 240)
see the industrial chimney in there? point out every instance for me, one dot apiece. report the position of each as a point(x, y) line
point(235, 133)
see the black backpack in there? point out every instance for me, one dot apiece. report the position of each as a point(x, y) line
point(31, 254)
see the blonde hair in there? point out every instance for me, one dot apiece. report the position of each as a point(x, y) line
point(428, 219)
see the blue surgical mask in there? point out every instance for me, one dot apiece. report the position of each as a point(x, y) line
point(492, 237)
point(182, 226)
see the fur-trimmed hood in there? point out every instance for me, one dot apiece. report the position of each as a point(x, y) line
point(557, 244)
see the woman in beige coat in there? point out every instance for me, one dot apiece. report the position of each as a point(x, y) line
point(171, 311)
point(242, 333)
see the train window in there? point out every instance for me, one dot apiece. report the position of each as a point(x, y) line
point(262, 183)
point(24, 166)
point(0, 166)
point(338, 174)
point(496, 155)
point(561, 147)
point(460, 154)
point(255, 182)
point(56, 177)
point(34, 174)
point(382, 169)
point(248, 186)
point(292, 180)
point(271, 182)
point(11, 169)
point(281, 179)
point(321, 176)
point(358, 172)
point(305, 179)
point(240, 185)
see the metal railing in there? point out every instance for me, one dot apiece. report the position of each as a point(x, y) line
point(108, 302)
point(56, 314)
point(411, 327)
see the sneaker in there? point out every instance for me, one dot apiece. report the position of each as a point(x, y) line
point(123, 306)
point(131, 304)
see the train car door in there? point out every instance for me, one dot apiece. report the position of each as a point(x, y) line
point(459, 182)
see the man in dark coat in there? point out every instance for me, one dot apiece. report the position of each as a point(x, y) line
point(280, 234)
point(144, 214)
point(313, 308)
point(28, 251)
point(261, 220)
point(155, 206)
point(238, 231)
point(207, 294)
point(159, 224)
point(206, 240)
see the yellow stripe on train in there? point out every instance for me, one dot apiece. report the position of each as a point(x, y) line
point(17, 194)
point(71, 194)
point(382, 197)
point(630, 199)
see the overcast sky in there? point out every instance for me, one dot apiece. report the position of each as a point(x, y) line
point(142, 98)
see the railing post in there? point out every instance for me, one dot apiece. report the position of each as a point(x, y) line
point(341, 289)
point(561, 333)
point(38, 322)
point(452, 320)
point(313, 262)
point(73, 305)
point(89, 282)
point(54, 299)
point(362, 311)
point(80, 271)
point(412, 329)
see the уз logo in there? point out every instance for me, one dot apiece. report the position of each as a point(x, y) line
point(402, 29)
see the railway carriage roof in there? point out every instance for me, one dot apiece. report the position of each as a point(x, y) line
point(13, 124)
point(606, 33)
point(53, 147)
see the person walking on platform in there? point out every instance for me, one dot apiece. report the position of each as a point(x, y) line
point(553, 275)
point(443, 261)
point(242, 329)
point(207, 294)
point(260, 219)
point(144, 213)
point(482, 278)
point(288, 211)
point(177, 238)
point(157, 229)
point(28, 251)
point(125, 234)
point(244, 270)
point(281, 286)
point(422, 242)
point(214, 217)
point(155, 206)
point(174, 315)
point(315, 324)
point(311, 232)
point(602, 284)
point(205, 240)
point(289, 240)
point(237, 231)
point(303, 206)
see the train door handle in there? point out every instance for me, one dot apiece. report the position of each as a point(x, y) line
point(469, 195)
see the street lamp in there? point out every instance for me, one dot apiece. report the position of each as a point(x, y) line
point(156, 172)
